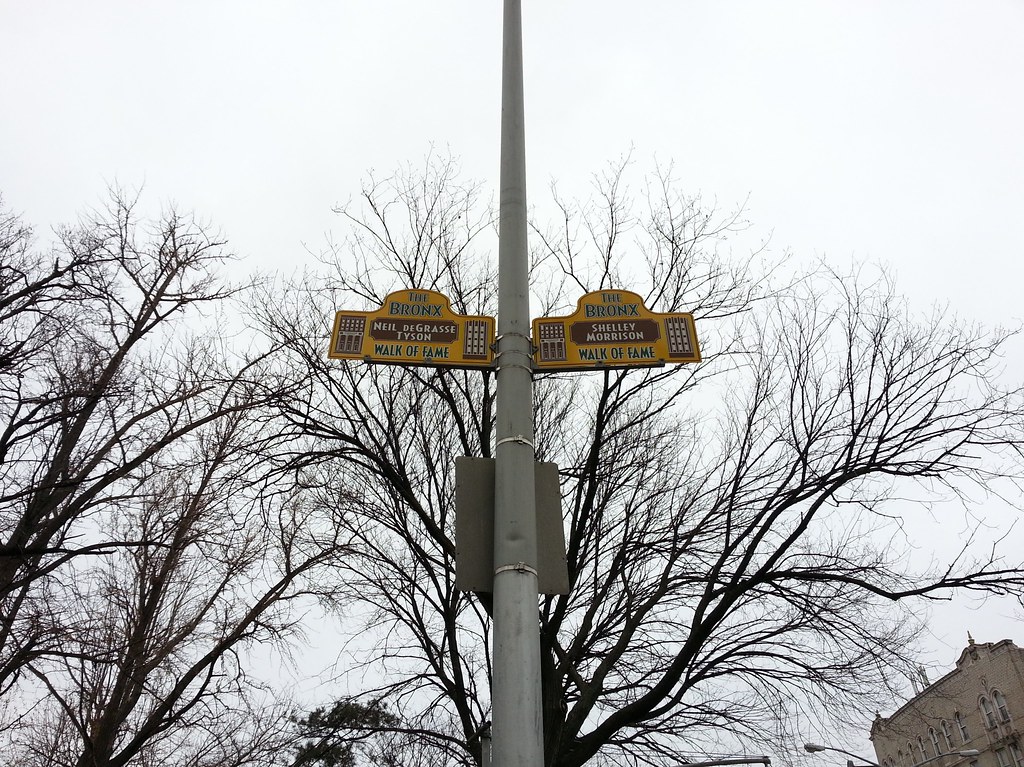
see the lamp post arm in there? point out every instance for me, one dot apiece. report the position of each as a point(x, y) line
point(731, 760)
point(815, 748)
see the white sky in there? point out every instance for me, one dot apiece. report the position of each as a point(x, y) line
point(890, 131)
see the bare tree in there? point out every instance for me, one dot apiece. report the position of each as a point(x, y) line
point(732, 527)
point(86, 398)
point(145, 549)
point(157, 670)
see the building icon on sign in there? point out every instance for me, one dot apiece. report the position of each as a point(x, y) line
point(349, 338)
point(680, 344)
point(551, 341)
point(475, 344)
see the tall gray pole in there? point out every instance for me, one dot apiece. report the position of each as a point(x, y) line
point(515, 688)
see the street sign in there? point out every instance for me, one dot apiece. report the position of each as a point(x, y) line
point(414, 327)
point(613, 328)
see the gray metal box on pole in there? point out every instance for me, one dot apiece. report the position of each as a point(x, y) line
point(474, 527)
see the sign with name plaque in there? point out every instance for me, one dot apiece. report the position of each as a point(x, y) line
point(613, 328)
point(414, 327)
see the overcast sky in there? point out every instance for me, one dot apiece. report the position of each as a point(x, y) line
point(890, 131)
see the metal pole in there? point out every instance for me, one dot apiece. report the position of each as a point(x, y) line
point(485, 748)
point(515, 686)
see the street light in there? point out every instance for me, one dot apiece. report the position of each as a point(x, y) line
point(730, 760)
point(813, 748)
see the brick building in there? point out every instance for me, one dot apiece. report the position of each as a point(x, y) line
point(978, 705)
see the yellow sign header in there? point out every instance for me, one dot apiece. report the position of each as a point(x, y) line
point(414, 327)
point(613, 328)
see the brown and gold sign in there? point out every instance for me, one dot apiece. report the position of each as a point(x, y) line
point(613, 328)
point(414, 327)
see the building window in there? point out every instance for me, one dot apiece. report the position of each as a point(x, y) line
point(1018, 761)
point(920, 745)
point(947, 739)
point(934, 737)
point(962, 726)
point(987, 713)
point(1003, 757)
point(1000, 701)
